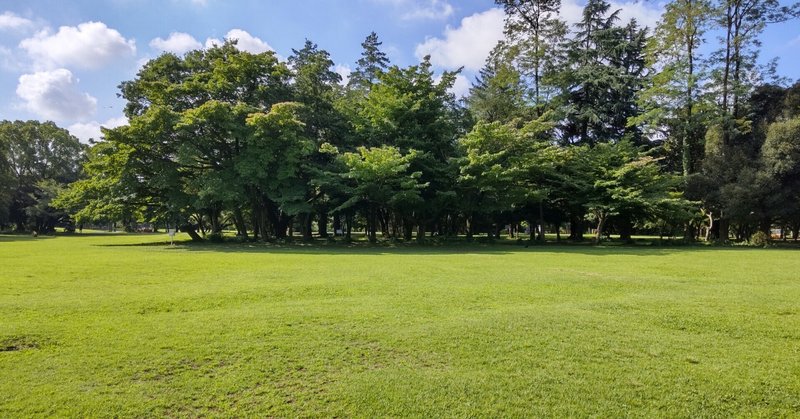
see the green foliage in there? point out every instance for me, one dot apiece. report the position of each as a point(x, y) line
point(499, 94)
point(781, 166)
point(673, 99)
point(380, 179)
point(781, 149)
point(273, 157)
point(534, 37)
point(626, 184)
point(505, 167)
point(604, 71)
point(105, 192)
point(35, 157)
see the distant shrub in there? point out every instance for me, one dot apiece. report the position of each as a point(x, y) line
point(759, 239)
point(215, 238)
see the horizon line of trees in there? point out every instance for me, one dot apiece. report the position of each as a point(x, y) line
point(603, 125)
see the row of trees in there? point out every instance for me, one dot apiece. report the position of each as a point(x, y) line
point(596, 126)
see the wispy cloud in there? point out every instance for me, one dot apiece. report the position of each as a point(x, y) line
point(421, 9)
point(11, 22)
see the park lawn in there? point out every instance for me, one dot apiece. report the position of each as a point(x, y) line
point(120, 325)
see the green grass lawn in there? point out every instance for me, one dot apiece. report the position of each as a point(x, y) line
point(105, 325)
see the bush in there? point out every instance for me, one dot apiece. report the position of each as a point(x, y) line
point(759, 239)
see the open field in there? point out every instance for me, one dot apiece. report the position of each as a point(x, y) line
point(102, 325)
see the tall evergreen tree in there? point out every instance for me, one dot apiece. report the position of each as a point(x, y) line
point(499, 93)
point(599, 84)
point(535, 36)
point(372, 63)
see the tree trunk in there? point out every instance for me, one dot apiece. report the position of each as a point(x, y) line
point(601, 221)
point(766, 227)
point(626, 230)
point(337, 224)
point(688, 232)
point(308, 221)
point(322, 224)
point(532, 237)
point(541, 222)
point(349, 229)
point(576, 228)
point(688, 137)
point(192, 232)
point(216, 222)
point(282, 224)
point(724, 230)
point(421, 232)
point(394, 227)
point(238, 220)
point(383, 220)
point(408, 229)
point(372, 226)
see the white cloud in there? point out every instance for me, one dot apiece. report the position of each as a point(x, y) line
point(54, 95)
point(344, 71)
point(177, 42)
point(430, 9)
point(10, 21)
point(9, 60)
point(467, 45)
point(644, 14)
point(89, 45)
point(461, 86)
point(91, 130)
point(421, 9)
point(571, 11)
point(246, 42)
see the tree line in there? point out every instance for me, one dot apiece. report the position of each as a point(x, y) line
point(602, 125)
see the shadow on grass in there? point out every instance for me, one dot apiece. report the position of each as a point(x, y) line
point(9, 237)
point(454, 246)
point(23, 237)
point(107, 234)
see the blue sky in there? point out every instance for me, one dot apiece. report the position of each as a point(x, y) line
point(62, 60)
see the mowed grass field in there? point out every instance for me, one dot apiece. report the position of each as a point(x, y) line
point(119, 325)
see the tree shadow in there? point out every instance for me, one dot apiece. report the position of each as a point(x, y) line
point(107, 234)
point(23, 237)
point(434, 246)
point(321, 247)
point(29, 236)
